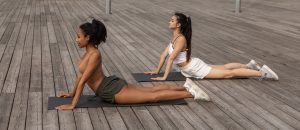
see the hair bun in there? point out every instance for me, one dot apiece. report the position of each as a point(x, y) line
point(96, 30)
point(95, 22)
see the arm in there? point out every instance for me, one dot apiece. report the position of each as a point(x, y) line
point(93, 63)
point(76, 84)
point(161, 62)
point(179, 46)
point(162, 59)
point(64, 94)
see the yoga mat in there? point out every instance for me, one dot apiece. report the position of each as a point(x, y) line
point(92, 101)
point(173, 76)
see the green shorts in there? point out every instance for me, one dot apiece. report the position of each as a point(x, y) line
point(109, 87)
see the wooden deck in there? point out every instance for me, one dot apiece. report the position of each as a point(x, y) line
point(38, 58)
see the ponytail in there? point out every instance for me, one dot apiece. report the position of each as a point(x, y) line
point(186, 30)
point(188, 36)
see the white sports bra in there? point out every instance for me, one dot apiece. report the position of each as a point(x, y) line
point(181, 57)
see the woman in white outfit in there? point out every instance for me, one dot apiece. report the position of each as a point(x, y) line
point(179, 51)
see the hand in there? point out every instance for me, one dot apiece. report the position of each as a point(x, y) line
point(65, 95)
point(159, 78)
point(151, 72)
point(65, 107)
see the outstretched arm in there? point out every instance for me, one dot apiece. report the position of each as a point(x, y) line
point(179, 46)
point(64, 94)
point(93, 63)
point(161, 62)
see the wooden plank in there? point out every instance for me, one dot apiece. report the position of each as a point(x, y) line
point(130, 119)
point(221, 116)
point(34, 108)
point(209, 119)
point(264, 113)
point(5, 22)
point(98, 119)
point(34, 117)
point(36, 81)
point(50, 117)
point(279, 95)
point(231, 110)
point(271, 107)
point(145, 118)
point(66, 119)
point(18, 114)
point(5, 60)
point(7, 10)
point(292, 112)
point(13, 72)
point(6, 101)
point(113, 116)
point(82, 119)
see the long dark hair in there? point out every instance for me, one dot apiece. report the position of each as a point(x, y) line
point(95, 30)
point(186, 30)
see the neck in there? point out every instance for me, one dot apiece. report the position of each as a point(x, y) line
point(176, 32)
point(89, 48)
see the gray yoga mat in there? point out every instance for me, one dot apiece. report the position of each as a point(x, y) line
point(173, 76)
point(92, 101)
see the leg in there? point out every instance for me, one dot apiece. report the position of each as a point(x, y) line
point(229, 66)
point(221, 73)
point(130, 94)
point(159, 88)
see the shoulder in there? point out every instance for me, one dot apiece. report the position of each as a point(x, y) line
point(95, 55)
point(181, 41)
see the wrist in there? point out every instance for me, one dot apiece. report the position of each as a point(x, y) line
point(72, 105)
point(164, 77)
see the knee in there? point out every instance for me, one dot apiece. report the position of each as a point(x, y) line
point(229, 74)
point(160, 87)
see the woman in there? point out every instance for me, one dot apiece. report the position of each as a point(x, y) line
point(113, 89)
point(179, 51)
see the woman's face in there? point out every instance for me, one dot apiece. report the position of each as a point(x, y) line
point(173, 24)
point(81, 39)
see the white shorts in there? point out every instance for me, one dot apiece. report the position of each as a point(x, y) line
point(196, 69)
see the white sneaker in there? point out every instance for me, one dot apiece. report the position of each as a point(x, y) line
point(253, 65)
point(268, 73)
point(194, 89)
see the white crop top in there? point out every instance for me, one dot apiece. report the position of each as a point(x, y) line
point(181, 57)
